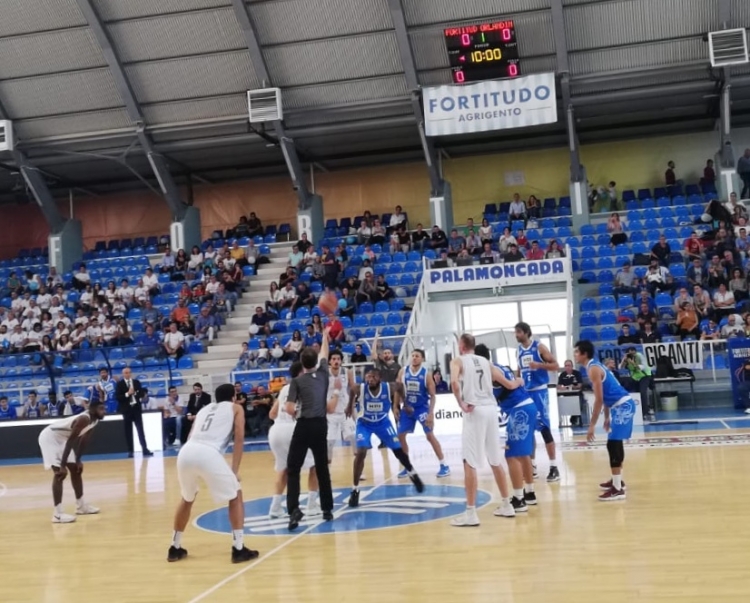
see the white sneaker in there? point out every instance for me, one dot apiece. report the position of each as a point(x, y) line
point(86, 510)
point(747, 411)
point(276, 512)
point(466, 519)
point(505, 510)
point(314, 509)
point(63, 518)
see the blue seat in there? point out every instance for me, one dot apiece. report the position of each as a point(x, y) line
point(607, 318)
point(608, 334)
point(628, 195)
point(625, 301)
point(588, 319)
point(607, 302)
point(663, 300)
point(606, 289)
point(378, 320)
point(605, 263)
point(588, 304)
point(589, 334)
point(588, 229)
point(588, 263)
point(605, 276)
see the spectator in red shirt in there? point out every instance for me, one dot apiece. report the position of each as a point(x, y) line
point(535, 253)
point(335, 329)
point(521, 239)
point(709, 175)
point(693, 247)
point(669, 176)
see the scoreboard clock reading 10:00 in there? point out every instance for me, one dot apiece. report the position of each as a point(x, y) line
point(486, 51)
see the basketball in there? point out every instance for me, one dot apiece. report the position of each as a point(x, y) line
point(328, 303)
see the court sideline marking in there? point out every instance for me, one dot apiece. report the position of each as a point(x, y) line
point(275, 550)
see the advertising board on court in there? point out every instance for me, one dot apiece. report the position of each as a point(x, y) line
point(684, 354)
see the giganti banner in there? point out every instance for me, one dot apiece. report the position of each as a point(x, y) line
point(739, 371)
point(684, 354)
point(491, 105)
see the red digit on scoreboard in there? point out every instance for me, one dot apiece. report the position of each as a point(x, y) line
point(460, 77)
point(507, 35)
point(513, 70)
point(465, 39)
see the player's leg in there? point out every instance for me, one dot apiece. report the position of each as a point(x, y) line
point(335, 427)
point(76, 480)
point(236, 507)
point(297, 452)
point(472, 450)
point(444, 470)
point(520, 443)
point(58, 478)
point(494, 451)
point(319, 450)
point(541, 399)
point(364, 443)
point(313, 491)
point(279, 437)
point(406, 424)
point(621, 429)
point(278, 492)
point(387, 434)
point(187, 477)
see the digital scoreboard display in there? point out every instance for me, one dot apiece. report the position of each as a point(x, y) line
point(487, 51)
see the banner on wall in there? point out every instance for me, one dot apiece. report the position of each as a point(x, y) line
point(491, 105)
point(684, 354)
point(739, 371)
point(488, 276)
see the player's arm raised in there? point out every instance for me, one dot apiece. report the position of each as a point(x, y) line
point(325, 345)
point(457, 369)
point(239, 439)
point(596, 375)
point(499, 377)
point(550, 362)
point(73, 443)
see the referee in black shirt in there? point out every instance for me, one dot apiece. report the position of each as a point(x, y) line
point(307, 401)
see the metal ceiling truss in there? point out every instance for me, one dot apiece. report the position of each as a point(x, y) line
point(412, 82)
point(157, 161)
point(286, 143)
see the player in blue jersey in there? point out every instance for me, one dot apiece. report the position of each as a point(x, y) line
point(619, 410)
point(419, 407)
point(520, 411)
point(535, 362)
point(371, 404)
point(104, 391)
point(7, 412)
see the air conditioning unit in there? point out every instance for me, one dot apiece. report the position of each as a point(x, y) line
point(6, 135)
point(728, 47)
point(264, 105)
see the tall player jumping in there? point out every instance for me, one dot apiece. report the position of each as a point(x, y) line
point(62, 444)
point(535, 362)
point(419, 407)
point(340, 385)
point(201, 459)
point(375, 399)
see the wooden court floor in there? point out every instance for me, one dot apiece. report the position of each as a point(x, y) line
point(682, 535)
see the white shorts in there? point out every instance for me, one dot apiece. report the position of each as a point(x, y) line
point(480, 437)
point(340, 427)
point(279, 439)
point(52, 448)
point(198, 461)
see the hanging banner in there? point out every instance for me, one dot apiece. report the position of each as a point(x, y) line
point(739, 371)
point(491, 105)
point(684, 354)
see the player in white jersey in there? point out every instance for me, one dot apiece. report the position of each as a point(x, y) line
point(201, 458)
point(471, 382)
point(279, 439)
point(340, 385)
point(62, 443)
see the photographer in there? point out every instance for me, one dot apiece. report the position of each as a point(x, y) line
point(641, 379)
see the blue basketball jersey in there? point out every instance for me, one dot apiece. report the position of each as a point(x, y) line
point(374, 407)
point(52, 410)
point(612, 391)
point(32, 412)
point(509, 398)
point(8, 414)
point(415, 387)
point(532, 378)
point(109, 389)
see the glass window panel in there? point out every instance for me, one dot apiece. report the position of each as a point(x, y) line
point(547, 315)
point(490, 317)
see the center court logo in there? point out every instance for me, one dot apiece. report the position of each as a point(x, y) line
point(379, 507)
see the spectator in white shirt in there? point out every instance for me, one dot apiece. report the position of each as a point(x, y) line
point(17, 339)
point(212, 286)
point(17, 303)
point(4, 338)
point(288, 295)
point(151, 282)
point(364, 232)
point(397, 218)
point(53, 279)
point(126, 293)
point(11, 321)
point(62, 318)
point(140, 294)
point(517, 209)
point(44, 299)
point(295, 257)
point(110, 332)
point(723, 302)
point(82, 278)
point(735, 327)
point(94, 332)
point(174, 342)
point(34, 339)
point(78, 336)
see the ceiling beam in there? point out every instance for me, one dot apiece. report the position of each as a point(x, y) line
point(286, 142)
point(412, 83)
point(158, 163)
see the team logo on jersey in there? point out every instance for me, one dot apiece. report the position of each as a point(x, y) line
point(379, 507)
point(518, 426)
point(622, 414)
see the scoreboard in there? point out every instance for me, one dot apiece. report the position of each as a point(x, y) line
point(486, 51)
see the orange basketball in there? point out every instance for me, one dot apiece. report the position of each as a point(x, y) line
point(328, 303)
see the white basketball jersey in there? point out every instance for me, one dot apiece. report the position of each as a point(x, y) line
point(62, 428)
point(476, 383)
point(214, 425)
point(284, 416)
point(343, 387)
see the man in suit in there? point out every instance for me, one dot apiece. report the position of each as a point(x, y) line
point(197, 400)
point(129, 393)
